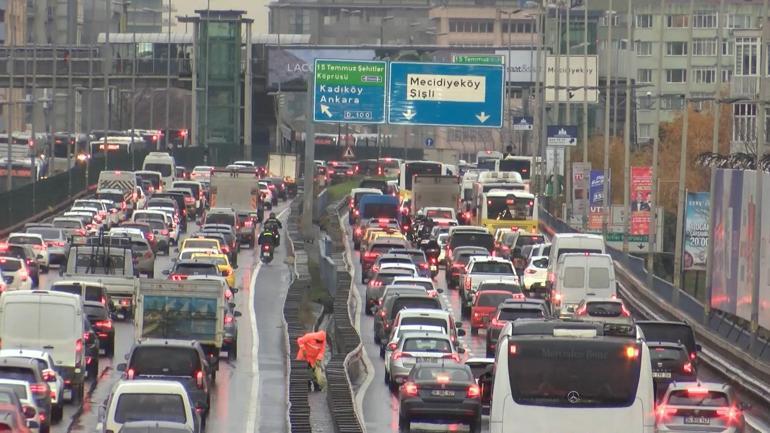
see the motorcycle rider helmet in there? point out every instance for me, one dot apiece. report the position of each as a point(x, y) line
point(272, 215)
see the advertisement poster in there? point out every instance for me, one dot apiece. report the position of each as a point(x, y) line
point(641, 194)
point(581, 172)
point(696, 231)
point(595, 200)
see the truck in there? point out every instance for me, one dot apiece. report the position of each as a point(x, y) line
point(106, 260)
point(116, 180)
point(286, 166)
point(182, 310)
point(447, 156)
point(238, 190)
point(429, 190)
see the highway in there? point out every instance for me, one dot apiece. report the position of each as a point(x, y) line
point(250, 392)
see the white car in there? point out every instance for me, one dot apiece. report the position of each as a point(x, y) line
point(398, 331)
point(148, 400)
point(426, 283)
point(132, 233)
point(54, 380)
point(37, 243)
point(406, 266)
point(535, 273)
point(15, 274)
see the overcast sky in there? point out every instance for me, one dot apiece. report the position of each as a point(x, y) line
point(255, 9)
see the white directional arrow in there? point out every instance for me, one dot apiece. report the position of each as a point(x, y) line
point(325, 110)
point(409, 114)
point(483, 117)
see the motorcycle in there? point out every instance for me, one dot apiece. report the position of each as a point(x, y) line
point(266, 254)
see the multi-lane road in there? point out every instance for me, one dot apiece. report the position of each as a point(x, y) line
point(250, 392)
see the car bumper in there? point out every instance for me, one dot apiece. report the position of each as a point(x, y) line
point(72, 377)
point(418, 410)
point(477, 317)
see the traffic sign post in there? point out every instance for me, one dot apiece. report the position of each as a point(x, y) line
point(442, 94)
point(523, 123)
point(562, 135)
point(349, 91)
point(428, 142)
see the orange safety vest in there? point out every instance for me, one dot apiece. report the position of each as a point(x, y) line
point(312, 347)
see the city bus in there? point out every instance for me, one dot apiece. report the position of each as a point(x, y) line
point(553, 376)
point(519, 164)
point(113, 145)
point(408, 169)
point(485, 159)
point(501, 208)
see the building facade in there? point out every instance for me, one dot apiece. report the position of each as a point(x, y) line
point(13, 28)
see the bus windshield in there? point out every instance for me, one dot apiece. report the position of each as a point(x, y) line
point(564, 372)
point(523, 167)
point(414, 168)
point(506, 208)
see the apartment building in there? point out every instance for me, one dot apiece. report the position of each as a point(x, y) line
point(13, 27)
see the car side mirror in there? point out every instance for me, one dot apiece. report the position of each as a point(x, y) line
point(121, 366)
point(237, 314)
point(440, 290)
point(165, 272)
point(461, 332)
point(460, 350)
point(234, 290)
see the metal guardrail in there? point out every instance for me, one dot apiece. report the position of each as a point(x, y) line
point(299, 373)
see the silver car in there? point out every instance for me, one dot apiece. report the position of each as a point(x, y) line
point(418, 347)
point(700, 407)
point(56, 239)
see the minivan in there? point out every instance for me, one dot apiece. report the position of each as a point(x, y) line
point(579, 276)
point(563, 243)
point(163, 163)
point(51, 322)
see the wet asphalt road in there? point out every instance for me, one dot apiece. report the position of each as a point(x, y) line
point(250, 392)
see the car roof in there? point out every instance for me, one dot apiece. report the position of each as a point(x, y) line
point(517, 303)
point(422, 334)
point(424, 312)
point(139, 385)
point(14, 361)
point(24, 353)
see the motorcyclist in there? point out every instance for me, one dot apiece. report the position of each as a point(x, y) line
point(273, 225)
point(268, 237)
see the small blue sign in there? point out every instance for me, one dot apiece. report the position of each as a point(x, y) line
point(523, 123)
point(429, 142)
point(562, 135)
point(349, 91)
point(443, 94)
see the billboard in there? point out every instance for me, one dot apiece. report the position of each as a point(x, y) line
point(696, 231)
point(596, 200)
point(522, 66)
point(581, 173)
point(641, 194)
point(291, 67)
point(582, 75)
point(732, 209)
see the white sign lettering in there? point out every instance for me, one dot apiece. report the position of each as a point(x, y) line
point(455, 88)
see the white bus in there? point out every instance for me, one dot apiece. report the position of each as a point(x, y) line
point(408, 169)
point(553, 376)
point(519, 164)
point(485, 157)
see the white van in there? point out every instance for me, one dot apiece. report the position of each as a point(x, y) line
point(580, 276)
point(147, 400)
point(163, 163)
point(565, 243)
point(52, 322)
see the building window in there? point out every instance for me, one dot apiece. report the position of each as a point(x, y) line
point(746, 53)
point(517, 26)
point(299, 21)
point(676, 75)
point(744, 122)
point(704, 47)
point(644, 21)
point(644, 75)
point(705, 75)
point(704, 20)
point(671, 102)
point(603, 20)
point(738, 21)
point(643, 48)
point(727, 48)
point(645, 131)
point(471, 26)
point(676, 48)
point(677, 21)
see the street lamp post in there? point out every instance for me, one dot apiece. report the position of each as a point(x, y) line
point(167, 133)
point(607, 98)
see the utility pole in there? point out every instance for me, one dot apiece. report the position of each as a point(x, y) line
point(247, 96)
point(9, 105)
point(71, 136)
point(568, 151)
point(309, 193)
point(627, 136)
point(107, 68)
point(607, 100)
point(585, 104)
point(167, 133)
point(543, 112)
point(683, 167)
point(653, 232)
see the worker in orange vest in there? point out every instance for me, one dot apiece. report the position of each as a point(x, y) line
point(312, 347)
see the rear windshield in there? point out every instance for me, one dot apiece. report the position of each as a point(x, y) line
point(379, 184)
point(455, 375)
point(417, 256)
point(667, 354)
point(599, 278)
point(17, 373)
point(101, 264)
point(150, 407)
point(492, 268)
point(25, 240)
point(200, 243)
point(402, 260)
point(357, 196)
point(194, 187)
point(431, 321)
point(464, 258)
point(508, 287)
point(708, 399)
point(492, 299)
point(10, 265)
point(483, 240)
point(604, 309)
point(197, 269)
point(382, 248)
point(520, 313)
point(46, 233)
point(165, 361)
point(427, 344)
point(95, 313)
point(529, 240)
point(431, 303)
point(220, 218)
point(92, 293)
point(380, 210)
point(154, 179)
point(669, 332)
point(559, 372)
point(163, 169)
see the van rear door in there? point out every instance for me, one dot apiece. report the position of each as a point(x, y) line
point(50, 327)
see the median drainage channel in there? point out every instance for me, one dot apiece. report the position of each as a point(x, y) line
point(318, 299)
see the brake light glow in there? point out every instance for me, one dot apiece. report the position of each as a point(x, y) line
point(392, 346)
point(399, 355)
point(376, 283)
point(687, 368)
point(178, 277)
point(473, 391)
point(104, 324)
point(453, 356)
point(23, 274)
point(632, 352)
point(582, 310)
point(697, 390)
point(79, 345)
point(410, 389)
point(663, 412)
point(228, 320)
point(266, 248)
point(442, 379)
point(49, 375)
point(130, 373)
point(624, 311)
point(730, 413)
point(512, 349)
point(199, 378)
point(39, 389)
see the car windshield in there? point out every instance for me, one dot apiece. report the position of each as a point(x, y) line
point(93, 293)
point(508, 287)
point(95, 313)
point(163, 169)
point(220, 218)
point(165, 361)
point(510, 314)
point(439, 213)
point(150, 407)
point(690, 398)
point(492, 268)
point(492, 299)
point(427, 344)
point(46, 233)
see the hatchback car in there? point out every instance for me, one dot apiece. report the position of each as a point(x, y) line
point(415, 348)
point(48, 374)
point(30, 371)
point(15, 274)
point(700, 406)
point(376, 286)
point(670, 363)
point(38, 244)
point(534, 275)
point(101, 323)
point(484, 306)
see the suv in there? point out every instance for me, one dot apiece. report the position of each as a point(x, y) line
point(670, 363)
point(26, 253)
point(511, 310)
point(176, 360)
point(221, 215)
point(29, 370)
point(48, 373)
point(15, 274)
point(672, 332)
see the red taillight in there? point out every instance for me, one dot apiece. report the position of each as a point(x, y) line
point(225, 249)
point(125, 302)
point(392, 346)
point(693, 355)
point(370, 255)
point(49, 375)
point(453, 356)
point(624, 311)
point(189, 200)
point(581, 311)
point(130, 373)
point(39, 389)
point(359, 231)
point(382, 313)
point(248, 223)
point(79, 343)
point(375, 283)
point(104, 324)
point(497, 323)
point(226, 273)
point(56, 244)
point(228, 320)
point(730, 414)
point(150, 236)
point(199, 378)
point(687, 368)
point(632, 352)
point(23, 274)
point(178, 277)
point(265, 247)
point(410, 389)
point(425, 265)
point(663, 412)
point(473, 392)
point(399, 355)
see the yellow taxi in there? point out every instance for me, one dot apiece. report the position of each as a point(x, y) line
point(222, 263)
point(369, 235)
point(390, 233)
point(200, 242)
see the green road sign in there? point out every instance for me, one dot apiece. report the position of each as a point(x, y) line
point(349, 91)
point(478, 59)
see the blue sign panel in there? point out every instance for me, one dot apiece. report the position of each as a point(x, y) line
point(562, 135)
point(350, 91)
point(429, 142)
point(441, 94)
point(523, 123)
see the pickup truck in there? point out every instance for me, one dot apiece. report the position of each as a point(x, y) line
point(182, 310)
point(106, 261)
point(481, 269)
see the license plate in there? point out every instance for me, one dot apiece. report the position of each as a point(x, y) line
point(701, 420)
point(67, 394)
point(442, 393)
point(427, 360)
point(661, 375)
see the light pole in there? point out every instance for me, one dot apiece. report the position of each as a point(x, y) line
point(627, 132)
point(349, 14)
point(167, 133)
point(607, 98)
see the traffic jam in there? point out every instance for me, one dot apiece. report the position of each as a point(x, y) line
point(474, 319)
point(120, 314)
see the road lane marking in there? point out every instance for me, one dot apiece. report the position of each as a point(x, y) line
point(254, 414)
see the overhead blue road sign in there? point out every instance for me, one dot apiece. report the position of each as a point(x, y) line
point(562, 135)
point(523, 123)
point(429, 142)
point(349, 91)
point(445, 94)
